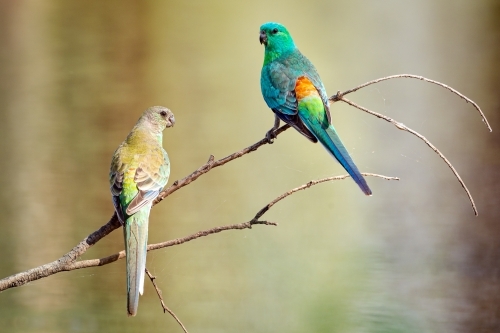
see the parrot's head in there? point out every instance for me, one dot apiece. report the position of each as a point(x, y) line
point(158, 118)
point(276, 38)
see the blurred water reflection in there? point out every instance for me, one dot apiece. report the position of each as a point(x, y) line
point(75, 76)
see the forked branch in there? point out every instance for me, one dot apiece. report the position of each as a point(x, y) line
point(403, 127)
point(339, 96)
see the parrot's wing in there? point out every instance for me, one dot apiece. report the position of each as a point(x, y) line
point(277, 88)
point(314, 78)
point(116, 189)
point(116, 183)
point(150, 177)
point(280, 96)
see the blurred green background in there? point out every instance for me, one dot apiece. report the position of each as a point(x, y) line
point(76, 75)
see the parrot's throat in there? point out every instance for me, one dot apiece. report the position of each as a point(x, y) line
point(272, 54)
point(159, 137)
point(145, 130)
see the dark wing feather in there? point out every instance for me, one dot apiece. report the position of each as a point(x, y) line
point(116, 180)
point(295, 122)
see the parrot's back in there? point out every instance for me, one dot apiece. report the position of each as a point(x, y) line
point(279, 76)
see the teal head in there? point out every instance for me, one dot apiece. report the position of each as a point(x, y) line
point(276, 39)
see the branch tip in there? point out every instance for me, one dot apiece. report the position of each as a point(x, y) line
point(339, 95)
point(421, 137)
point(164, 307)
point(309, 184)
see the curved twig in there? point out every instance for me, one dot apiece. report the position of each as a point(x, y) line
point(308, 185)
point(151, 247)
point(403, 127)
point(339, 94)
point(211, 164)
point(165, 308)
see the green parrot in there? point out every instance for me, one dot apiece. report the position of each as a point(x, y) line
point(292, 88)
point(139, 170)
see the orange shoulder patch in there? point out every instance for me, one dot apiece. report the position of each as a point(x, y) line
point(305, 88)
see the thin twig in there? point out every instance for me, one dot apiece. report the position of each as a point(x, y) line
point(403, 127)
point(308, 185)
point(339, 94)
point(165, 308)
point(151, 247)
point(211, 164)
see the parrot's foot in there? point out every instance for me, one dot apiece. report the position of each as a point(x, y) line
point(271, 135)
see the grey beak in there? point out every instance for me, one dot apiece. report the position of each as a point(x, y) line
point(263, 38)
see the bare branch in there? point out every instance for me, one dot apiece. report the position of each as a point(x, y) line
point(339, 94)
point(165, 308)
point(308, 185)
point(403, 127)
point(151, 247)
point(60, 264)
point(213, 164)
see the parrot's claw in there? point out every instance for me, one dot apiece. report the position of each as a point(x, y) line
point(271, 135)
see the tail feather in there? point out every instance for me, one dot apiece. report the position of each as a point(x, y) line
point(331, 141)
point(136, 239)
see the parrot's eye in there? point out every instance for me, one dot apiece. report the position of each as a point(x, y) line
point(163, 113)
point(275, 31)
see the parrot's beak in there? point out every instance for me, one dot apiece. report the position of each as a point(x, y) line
point(172, 121)
point(263, 38)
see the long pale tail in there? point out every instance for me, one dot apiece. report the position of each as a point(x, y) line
point(331, 141)
point(135, 232)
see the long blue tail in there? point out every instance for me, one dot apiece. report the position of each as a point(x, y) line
point(135, 232)
point(331, 141)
